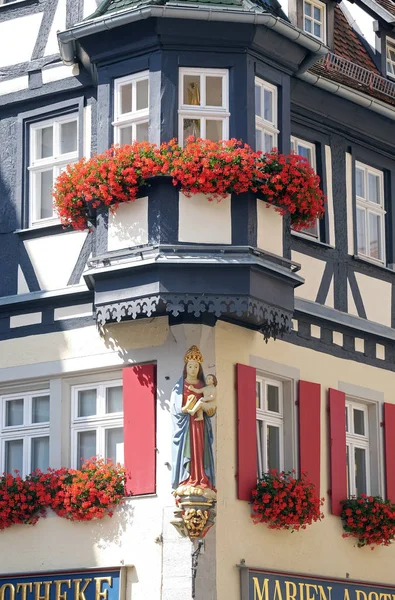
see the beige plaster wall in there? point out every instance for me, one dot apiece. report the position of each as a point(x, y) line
point(312, 271)
point(320, 550)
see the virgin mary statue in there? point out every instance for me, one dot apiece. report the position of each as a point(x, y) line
point(192, 455)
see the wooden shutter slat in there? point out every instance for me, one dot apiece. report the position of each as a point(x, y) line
point(246, 431)
point(310, 431)
point(337, 428)
point(389, 449)
point(139, 399)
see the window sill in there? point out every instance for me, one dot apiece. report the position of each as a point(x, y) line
point(373, 263)
point(311, 240)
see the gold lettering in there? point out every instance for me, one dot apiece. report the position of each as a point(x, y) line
point(373, 596)
point(47, 586)
point(3, 590)
point(102, 595)
point(322, 593)
point(78, 593)
point(288, 595)
point(277, 591)
point(358, 594)
point(301, 585)
point(308, 586)
point(59, 595)
point(23, 587)
point(261, 594)
point(385, 596)
point(346, 594)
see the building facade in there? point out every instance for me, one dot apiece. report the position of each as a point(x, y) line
point(297, 327)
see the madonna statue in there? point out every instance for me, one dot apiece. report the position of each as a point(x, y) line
point(192, 406)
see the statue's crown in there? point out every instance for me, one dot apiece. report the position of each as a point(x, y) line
point(193, 354)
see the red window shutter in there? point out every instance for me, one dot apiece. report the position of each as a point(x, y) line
point(389, 445)
point(337, 429)
point(310, 431)
point(139, 400)
point(246, 431)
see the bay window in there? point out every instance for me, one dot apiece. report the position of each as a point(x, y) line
point(203, 104)
point(131, 108)
point(369, 191)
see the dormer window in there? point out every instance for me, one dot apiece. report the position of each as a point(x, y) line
point(391, 58)
point(314, 19)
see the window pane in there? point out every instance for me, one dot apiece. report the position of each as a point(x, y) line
point(359, 422)
point(126, 135)
point(214, 91)
point(360, 471)
point(273, 447)
point(86, 403)
point(192, 90)
point(259, 446)
point(268, 105)
point(14, 413)
point(360, 183)
point(114, 399)
point(317, 13)
point(114, 445)
point(142, 94)
point(317, 30)
point(273, 401)
point(40, 453)
point(307, 9)
point(258, 100)
point(375, 236)
point(44, 142)
point(307, 25)
point(258, 139)
point(191, 127)
point(268, 142)
point(45, 183)
point(348, 469)
point(361, 231)
point(305, 152)
point(68, 137)
point(142, 132)
point(14, 456)
point(40, 409)
point(86, 446)
point(347, 418)
point(126, 98)
point(313, 230)
point(374, 188)
point(214, 130)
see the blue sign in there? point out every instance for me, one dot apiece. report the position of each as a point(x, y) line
point(75, 585)
point(267, 585)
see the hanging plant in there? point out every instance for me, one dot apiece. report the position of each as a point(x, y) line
point(284, 502)
point(369, 519)
point(201, 166)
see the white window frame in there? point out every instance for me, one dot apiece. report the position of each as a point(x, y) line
point(100, 422)
point(390, 63)
point(267, 417)
point(25, 432)
point(203, 111)
point(57, 162)
point(321, 6)
point(262, 124)
point(296, 142)
point(135, 117)
point(371, 207)
point(354, 440)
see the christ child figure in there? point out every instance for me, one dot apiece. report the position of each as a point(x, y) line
point(208, 403)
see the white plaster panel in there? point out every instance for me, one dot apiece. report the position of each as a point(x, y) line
point(54, 257)
point(295, 325)
point(24, 320)
point(204, 222)
point(351, 308)
point(337, 338)
point(128, 225)
point(315, 331)
point(359, 345)
point(312, 271)
point(376, 298)
point(14, 85)
point(269, 228)
point(23, 288)
point(61, 72)
point(58, 24)
point(380, 351)
point(349, 201)
point(18, 38)
point(71, 312)
point(330, 297)
point(329, 195)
